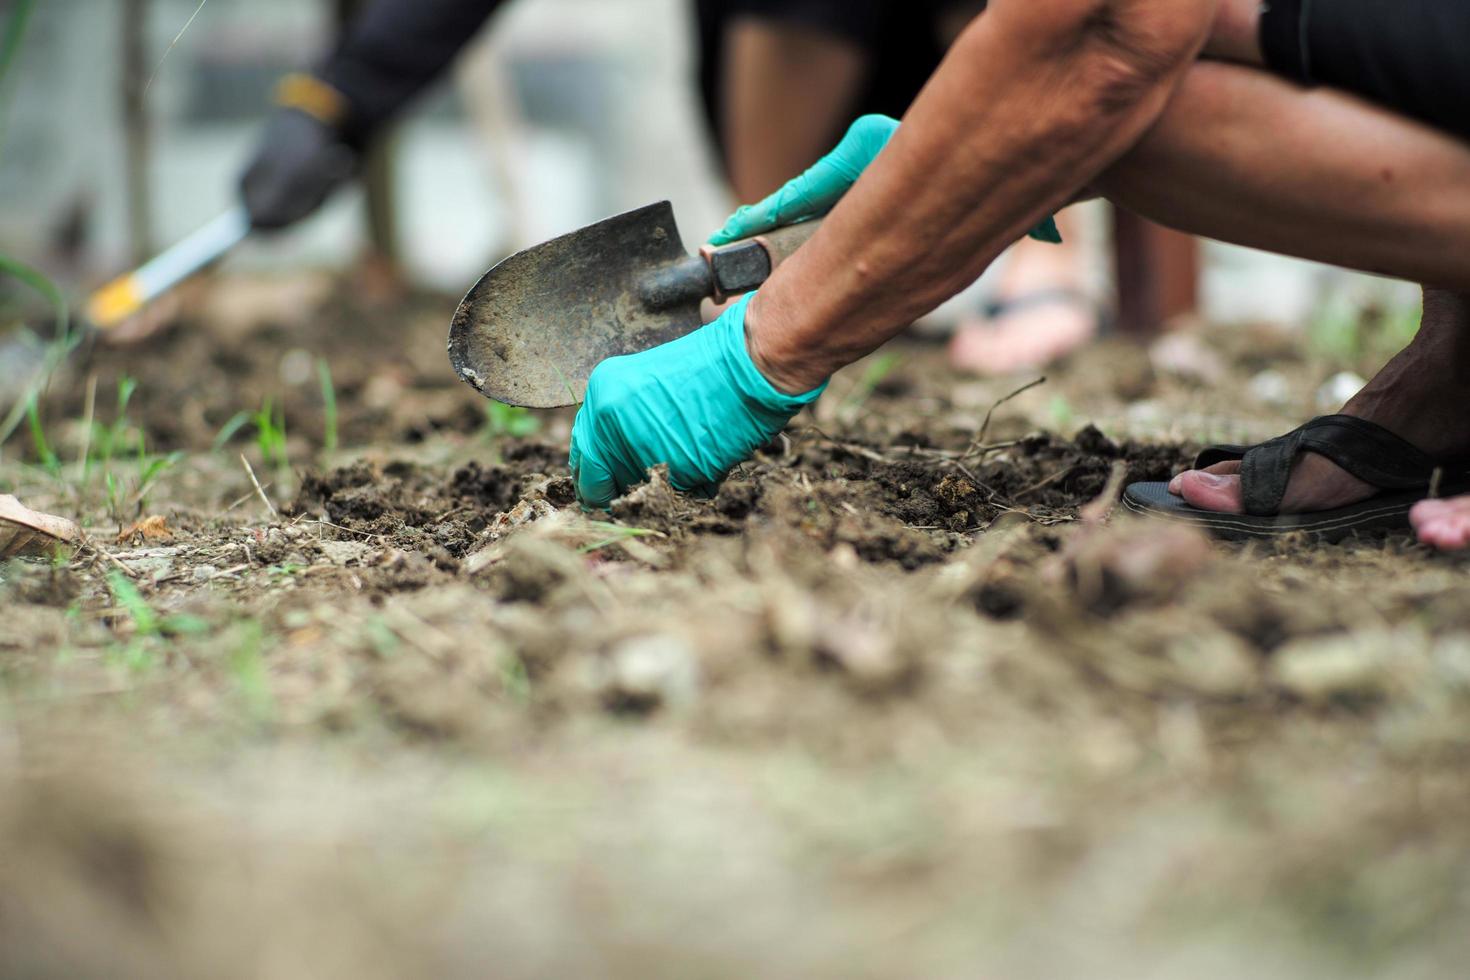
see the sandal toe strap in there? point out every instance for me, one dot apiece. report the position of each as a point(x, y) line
point(1367, 451)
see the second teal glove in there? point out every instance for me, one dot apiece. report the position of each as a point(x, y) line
point(698, 404)
point(818, 190)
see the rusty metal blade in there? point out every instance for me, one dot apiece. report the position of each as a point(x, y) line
point(531, 331)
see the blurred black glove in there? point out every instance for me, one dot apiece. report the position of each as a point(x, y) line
point(301, 160)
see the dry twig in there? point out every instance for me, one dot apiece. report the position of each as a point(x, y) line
point(250, 472)
point(985, 425)
point(1098, 510)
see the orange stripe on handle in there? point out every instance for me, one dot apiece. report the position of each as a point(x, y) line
point(312, 96)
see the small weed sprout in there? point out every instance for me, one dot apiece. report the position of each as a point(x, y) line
point(874, 375)
point(229, 430)
point(515, 680)
point(149, 627)
point(1061, 412)
point(507, 421)
point(43, 449)
point(504, 421)
point(270, 434)
point(615, 534)
point(146, 622)
point(247, 664)
point(329, 405)
point(51, 353)
point(114, 494)
point(105, 440)
point(151, 471)
point(106, 444)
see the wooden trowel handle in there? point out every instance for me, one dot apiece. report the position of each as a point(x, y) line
point(782, 243)
point(745, 265)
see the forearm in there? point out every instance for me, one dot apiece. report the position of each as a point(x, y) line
point(965, 176)
point(394, 50)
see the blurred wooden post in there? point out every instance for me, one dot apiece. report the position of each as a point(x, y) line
point(133, 37)
point(1158, 274)
point(378, 170)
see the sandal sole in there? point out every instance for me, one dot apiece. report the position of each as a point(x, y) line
point(1386, 512)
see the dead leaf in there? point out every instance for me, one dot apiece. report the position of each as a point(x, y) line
point(153, 528)
point(27, 532)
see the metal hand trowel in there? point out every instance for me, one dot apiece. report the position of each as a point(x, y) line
point(535, 326)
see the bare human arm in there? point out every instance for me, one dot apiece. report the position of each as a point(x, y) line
point(1036, 98)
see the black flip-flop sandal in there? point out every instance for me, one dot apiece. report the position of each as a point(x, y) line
point(1367, 451)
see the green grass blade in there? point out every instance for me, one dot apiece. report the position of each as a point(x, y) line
point(227, 432)
point(329, 404)
point(10, 43)
point(59, 348)
point(15, 32)
point(127, 596)
point(44, 452)
point(37, 281)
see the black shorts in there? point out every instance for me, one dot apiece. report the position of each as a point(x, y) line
point(902, 38)
point(1408, 55)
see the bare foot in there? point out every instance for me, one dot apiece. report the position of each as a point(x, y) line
point(1031, 336)
point(1445, 524)
point(1317, 483)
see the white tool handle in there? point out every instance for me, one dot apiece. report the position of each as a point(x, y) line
point(193, 253)
point(124, 296)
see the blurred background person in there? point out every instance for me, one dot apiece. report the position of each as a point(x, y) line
point(779, 81)
point(568, 111)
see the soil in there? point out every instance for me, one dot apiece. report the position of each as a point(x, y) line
point(886, 705)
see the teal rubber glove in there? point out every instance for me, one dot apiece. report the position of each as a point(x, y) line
point(698, 404)
point(818, 190)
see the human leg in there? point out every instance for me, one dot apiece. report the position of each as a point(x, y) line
point(786, 89)
point(1247, 158)
point(1419, 396)
point(1250, 159)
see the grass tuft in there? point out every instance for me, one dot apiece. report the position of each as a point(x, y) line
point(329, 405)
point(615, 534)
point(506, 421)
point(270, 434)
point(44, 453)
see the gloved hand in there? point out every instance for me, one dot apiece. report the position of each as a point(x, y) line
point(818, 190)
point(698, 404)
point(300, 162)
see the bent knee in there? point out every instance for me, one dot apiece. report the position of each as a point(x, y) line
point(1141, 39)
point(1156, 36)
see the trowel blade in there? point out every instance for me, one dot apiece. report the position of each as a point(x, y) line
point(531, 331)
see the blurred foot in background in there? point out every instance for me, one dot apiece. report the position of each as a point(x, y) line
point(1043, 309)
point(1444, 524)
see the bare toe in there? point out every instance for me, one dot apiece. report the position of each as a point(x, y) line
point(1228, 468)
point(1212, 491)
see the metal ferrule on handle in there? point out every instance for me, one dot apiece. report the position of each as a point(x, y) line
point(727, 271)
